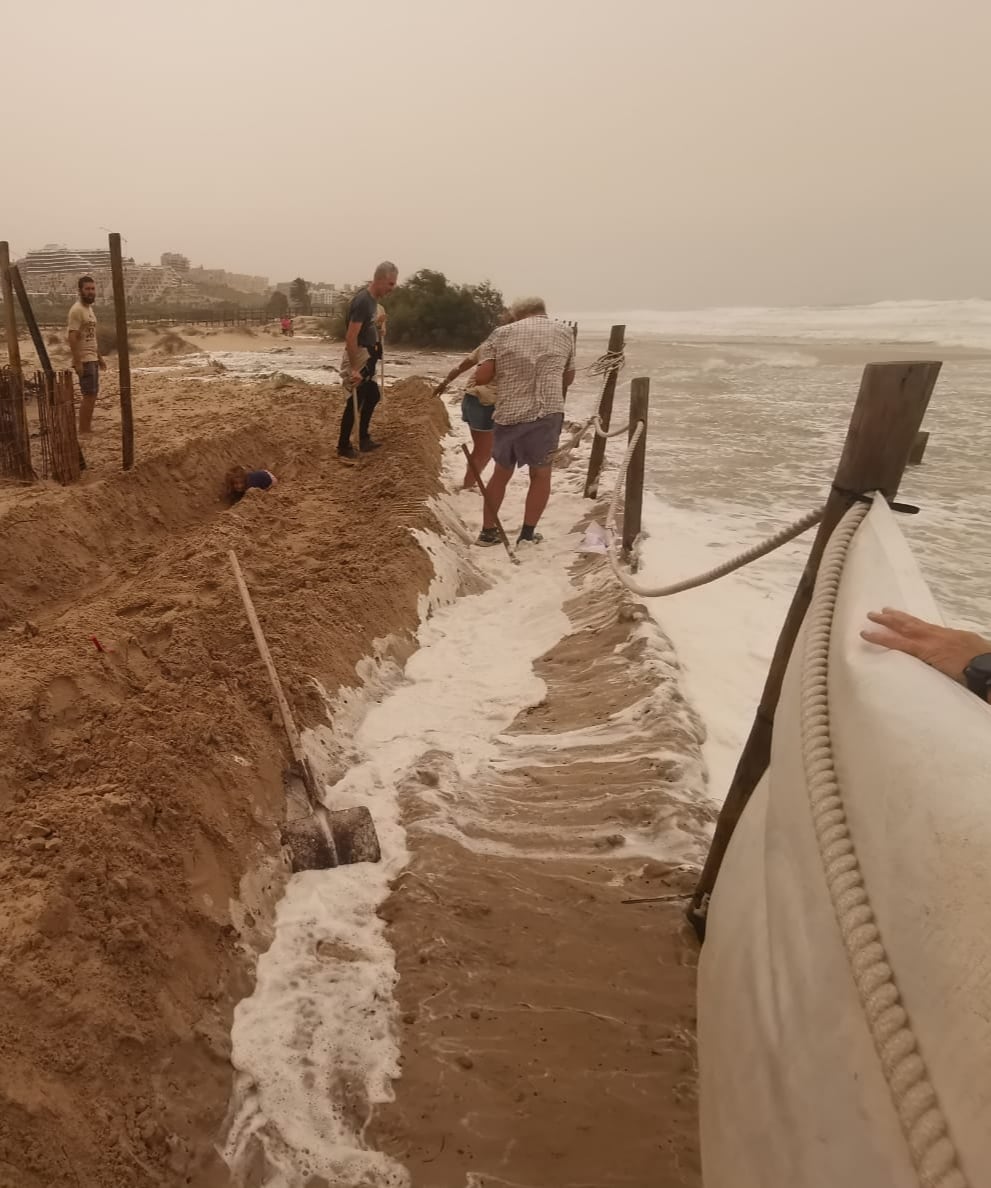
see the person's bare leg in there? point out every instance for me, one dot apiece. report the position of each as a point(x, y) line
point(480, 454)
point(496, 491)
point(537, 495)
point(86, 407)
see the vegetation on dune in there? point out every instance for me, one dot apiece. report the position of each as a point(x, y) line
point(428, 311)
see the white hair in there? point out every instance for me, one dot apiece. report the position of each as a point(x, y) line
point(526, 307)
point(386, 268)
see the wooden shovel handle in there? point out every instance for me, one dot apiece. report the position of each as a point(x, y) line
point(295, 745)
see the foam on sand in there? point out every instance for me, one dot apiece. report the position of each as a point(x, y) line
point(316, 1046)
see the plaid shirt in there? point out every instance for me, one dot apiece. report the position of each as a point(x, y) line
point(531, 357)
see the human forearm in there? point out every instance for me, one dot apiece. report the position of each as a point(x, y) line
point(453, 374)
point(946, 649)
point(351, 345)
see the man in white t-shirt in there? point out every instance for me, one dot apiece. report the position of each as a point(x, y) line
point(86, 358)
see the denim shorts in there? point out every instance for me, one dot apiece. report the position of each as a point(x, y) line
point(478, 415)
point(89, 379)
point(531, 444)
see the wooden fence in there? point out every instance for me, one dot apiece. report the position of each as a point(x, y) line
point(15, 440)
point(38, 427)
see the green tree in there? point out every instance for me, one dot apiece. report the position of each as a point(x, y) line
point(277, 305)
point(427, 310)
point(299, 295)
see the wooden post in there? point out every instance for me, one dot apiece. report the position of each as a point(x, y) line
point(918, 448)
point(617, 339)
point(32, 322)
point(123, 352)
point(9, 312)
point(633, 496)
point(892, 401)
point(19, 413)
point(46, 366)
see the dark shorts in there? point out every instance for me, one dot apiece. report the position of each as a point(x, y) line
point(531, 444)
point(89, 379)
point(478, 415)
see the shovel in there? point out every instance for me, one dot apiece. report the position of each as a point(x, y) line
point(317, 837)
point(488, 504)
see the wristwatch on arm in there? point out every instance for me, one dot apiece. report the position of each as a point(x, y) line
point(977, 675)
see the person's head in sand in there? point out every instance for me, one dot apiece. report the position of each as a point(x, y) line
point(239, 479)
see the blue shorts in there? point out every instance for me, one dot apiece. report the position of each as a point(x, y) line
point(89, 379)
point(476, 414)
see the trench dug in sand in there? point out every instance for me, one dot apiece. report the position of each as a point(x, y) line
point(547, 1026)
point(544, 1028)
point(139, 785)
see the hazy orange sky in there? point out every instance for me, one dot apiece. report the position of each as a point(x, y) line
point(638, 153)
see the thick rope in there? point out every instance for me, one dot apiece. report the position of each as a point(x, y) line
point(912, 1093)
point(711, 575)
point(610, 361)
point(592, 423)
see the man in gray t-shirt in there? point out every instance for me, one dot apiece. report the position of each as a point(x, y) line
point(362, 351)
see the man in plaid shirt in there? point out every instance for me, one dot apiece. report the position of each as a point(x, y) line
point(533, 362)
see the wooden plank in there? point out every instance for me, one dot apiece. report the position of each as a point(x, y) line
point(633, 496)
point(123, 352)
point(890, 406)
point(617, 339)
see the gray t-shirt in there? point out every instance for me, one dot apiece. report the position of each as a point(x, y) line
point(363, 308)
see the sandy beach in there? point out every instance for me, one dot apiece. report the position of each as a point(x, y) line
point(142, 795)
point(141, 783)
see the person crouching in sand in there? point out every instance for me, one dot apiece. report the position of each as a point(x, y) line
point(239, 479)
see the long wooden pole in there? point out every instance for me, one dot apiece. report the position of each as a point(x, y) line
point(288, 722)
point(487, 500)
point(123, 351)
point(633, 496)
point(890, 406)
point(14, 366)
point(9, 312)
point(617, 339)
point(42, 351)
point(32, 322)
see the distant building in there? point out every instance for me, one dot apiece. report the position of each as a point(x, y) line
point(242, 282)
point(175, 260)
point(54, 270)
point(147, 284)
point(323, 294)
